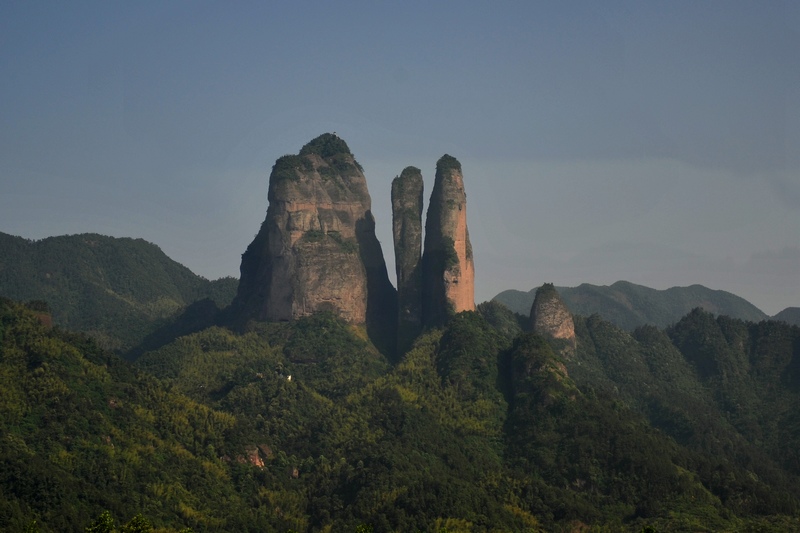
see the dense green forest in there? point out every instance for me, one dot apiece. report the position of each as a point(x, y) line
point(118, 290)
point(305, 426)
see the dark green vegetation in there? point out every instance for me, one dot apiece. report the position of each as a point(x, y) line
point(479, 427)
point(288, 167)
point(448, 163)
point(331, 147)
point(629, 306)
point(118, 290)
point(82, 431)
point(326, 145)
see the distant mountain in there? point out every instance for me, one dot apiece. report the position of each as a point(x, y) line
point(790, 315)
point(628, 305)
point(119, 290)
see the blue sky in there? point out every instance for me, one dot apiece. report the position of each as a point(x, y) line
point(656, 142)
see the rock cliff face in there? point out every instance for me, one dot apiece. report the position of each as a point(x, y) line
point(551, 318)
point(407, 197)
point(448, 270)
point(317, 248)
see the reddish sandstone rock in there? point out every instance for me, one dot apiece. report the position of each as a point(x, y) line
point(448, 270)
point(317, 249)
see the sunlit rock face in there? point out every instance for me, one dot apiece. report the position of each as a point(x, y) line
point(448, 270)
point(550, 317)
point(317, 249)
point(407, 197)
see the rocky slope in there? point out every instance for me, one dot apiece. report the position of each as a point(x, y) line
point(317, 248)
point(407, 195)
point(448, 268)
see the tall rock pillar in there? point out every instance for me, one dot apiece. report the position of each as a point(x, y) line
point(317, 248)
point(448, 270)
point(407, 191)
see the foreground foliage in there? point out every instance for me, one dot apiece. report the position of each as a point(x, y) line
point(479, 427)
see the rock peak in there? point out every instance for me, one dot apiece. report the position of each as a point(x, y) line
point(448, 268)
point(317, 249)
point(448, 162)
point(326, 145)
point(551, 318)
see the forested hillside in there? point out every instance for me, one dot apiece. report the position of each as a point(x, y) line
point(82, 432)
point(118, 290)
point(790, 315)
point(304, 426)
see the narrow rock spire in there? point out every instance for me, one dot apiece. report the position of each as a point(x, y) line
point(448, 270)
point(407, 198)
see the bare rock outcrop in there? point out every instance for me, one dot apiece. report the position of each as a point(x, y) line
point(317, 248)
point(448, 270)
point(407, 198)
point(550, 317)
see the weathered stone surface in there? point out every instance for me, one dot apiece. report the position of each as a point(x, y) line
point(317, 248)
point(550, 317)
point(407, 198)
point(448, 270)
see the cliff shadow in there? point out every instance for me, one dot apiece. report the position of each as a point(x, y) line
point(381, 294)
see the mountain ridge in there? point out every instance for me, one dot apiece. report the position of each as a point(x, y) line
point(119, 289)
point(629, 305)
point(790, 315)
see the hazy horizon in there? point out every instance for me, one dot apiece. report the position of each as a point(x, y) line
point(652, 143)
